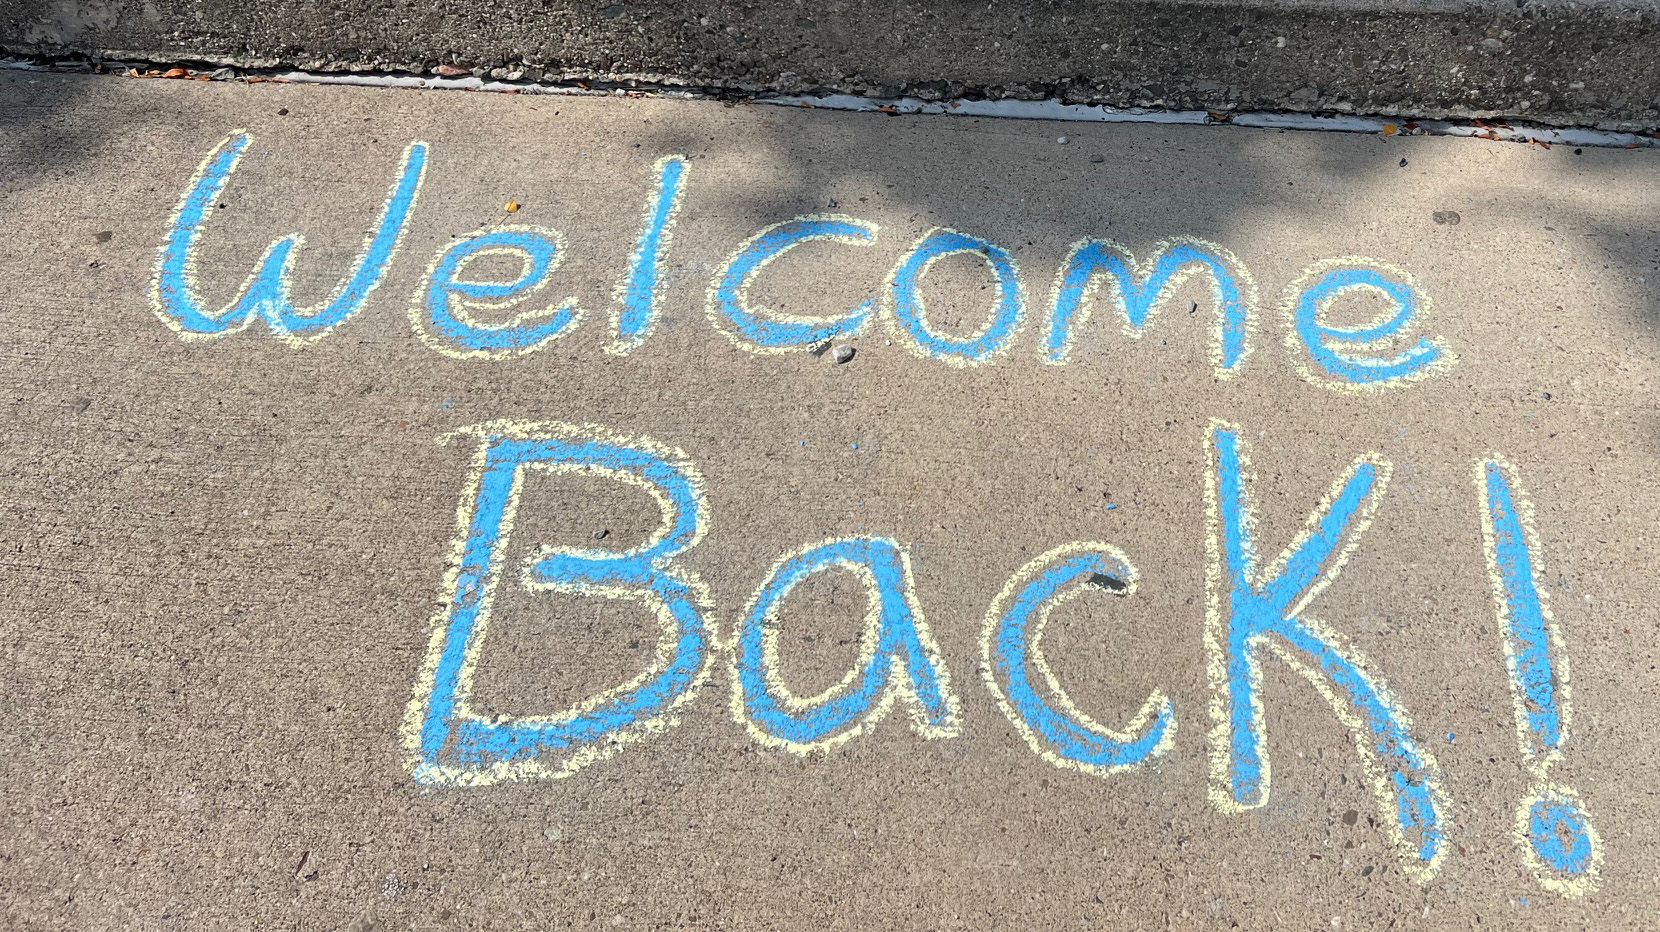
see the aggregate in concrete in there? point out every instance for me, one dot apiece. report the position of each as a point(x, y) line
point(225, 558)
point(1566, 63)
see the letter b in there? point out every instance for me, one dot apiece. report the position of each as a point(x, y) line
point(451, 743)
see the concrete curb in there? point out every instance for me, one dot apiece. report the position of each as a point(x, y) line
point(1576, 64)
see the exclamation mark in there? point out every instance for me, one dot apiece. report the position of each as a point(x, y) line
point(1552, 827)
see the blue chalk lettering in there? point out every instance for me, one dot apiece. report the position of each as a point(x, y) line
point(1067, 737)
point(447, 321)
point(1139, 292)
point(267, 294)
point(898, 657)
point(1526, 628)
point(1335, 349)
point(1560, 834)
point(905, 297)
point(765, 330)
point(1552, 825)
point(455, 745)
point(1249, 607)
point(637, 297)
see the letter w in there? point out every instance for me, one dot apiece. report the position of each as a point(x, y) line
point(267, 293)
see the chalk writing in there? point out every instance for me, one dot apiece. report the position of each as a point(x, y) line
point(443, 315)
point(897, 655)
point(637, 295)
point(1339, 352)
point(1251, 609)
point(1064, 736)
point(448, 741)
point(909, 315)
point(266, 294)
point(1140, 290)
point(768, 331)
point(1335, 357)
point(1552, 828)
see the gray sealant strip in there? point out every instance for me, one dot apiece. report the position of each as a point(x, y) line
point(1054, 110)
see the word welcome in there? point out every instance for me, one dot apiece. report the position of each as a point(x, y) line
point(446, 312)
point(1254, 610)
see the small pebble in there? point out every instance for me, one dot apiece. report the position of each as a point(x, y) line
point(1097, 159)
point(1064, 140)
point(844, 354)
point(601, 534)
point(829, 202)
point(1447, 218)
point(1403, 163)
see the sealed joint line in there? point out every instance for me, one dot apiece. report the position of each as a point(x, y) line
point(1494, 130)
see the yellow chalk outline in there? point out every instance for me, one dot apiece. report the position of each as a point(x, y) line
point(896, 330)
point(461, 308)
point(619, 293)
point(158, 305)
point(1142, 270)
point(712, 303)
point(988, 634)
point(426, 682)
point(898, 682)
point(1216, 637)
point(1537, 760)
point(1299, 353)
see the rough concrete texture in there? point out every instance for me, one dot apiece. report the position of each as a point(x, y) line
point(1553, 62)
point(225, 557)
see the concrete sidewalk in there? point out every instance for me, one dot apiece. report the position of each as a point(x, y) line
point(1199, 534)
point(1550, 61)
